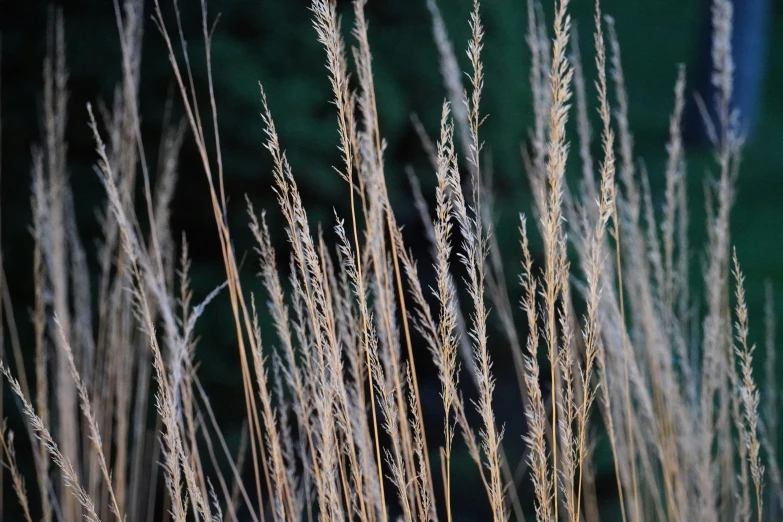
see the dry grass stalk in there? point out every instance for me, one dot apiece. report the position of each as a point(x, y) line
point(555, 272)
point(749, 393)
point(70, 477)
point(9, 462)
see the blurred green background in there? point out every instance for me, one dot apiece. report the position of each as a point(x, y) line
point(272, 41)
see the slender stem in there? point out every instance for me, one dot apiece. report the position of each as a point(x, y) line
point(366, 351)
point(626, 353)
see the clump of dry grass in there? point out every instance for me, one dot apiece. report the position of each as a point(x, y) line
point(342, 411)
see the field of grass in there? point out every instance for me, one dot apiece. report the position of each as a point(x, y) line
point(387, 361)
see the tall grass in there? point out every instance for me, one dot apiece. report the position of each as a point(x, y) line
point(334, 414)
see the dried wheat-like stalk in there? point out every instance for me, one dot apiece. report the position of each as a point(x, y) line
point(445, 339)
point(89, 415)
point(749, 393)
point(9, 462)
point(535, 410)
point(70, 476)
